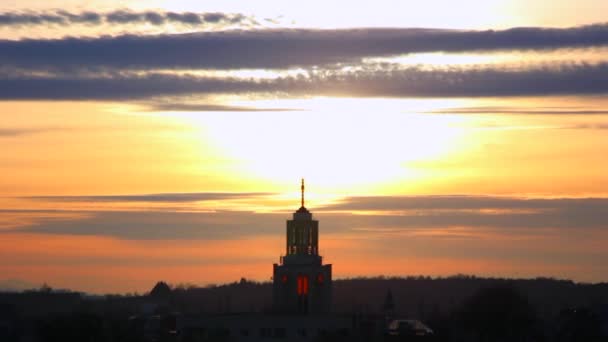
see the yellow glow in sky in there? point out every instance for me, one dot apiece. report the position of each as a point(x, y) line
point(335, 143)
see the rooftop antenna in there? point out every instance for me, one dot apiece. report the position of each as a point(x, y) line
point(302, 188)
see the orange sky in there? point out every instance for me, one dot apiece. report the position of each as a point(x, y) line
point(487, 159)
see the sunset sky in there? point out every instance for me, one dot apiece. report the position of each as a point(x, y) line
point(165, 140)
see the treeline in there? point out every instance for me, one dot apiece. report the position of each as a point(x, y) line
point(413, 296)
point(457, 308)
point(418, 296)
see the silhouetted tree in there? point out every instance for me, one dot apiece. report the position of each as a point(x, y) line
point(161, 290)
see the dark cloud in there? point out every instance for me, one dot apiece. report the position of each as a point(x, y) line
point(576, 79)
point(164, 197)
point(121, 87)
point(463, 202)
point(88, 17)
point(214, 17)
point(479, 211)
point(120, 17)
point(186, 18)
point(17, 19)
point(125, 17)
point(151, 225)
point(507, 215)
point(275, 49)
point(98, 68)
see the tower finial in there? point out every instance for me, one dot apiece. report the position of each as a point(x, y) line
point(302, 188)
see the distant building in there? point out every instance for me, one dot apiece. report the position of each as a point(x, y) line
point(301, 283)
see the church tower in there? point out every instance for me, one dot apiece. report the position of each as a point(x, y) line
point(301, 283)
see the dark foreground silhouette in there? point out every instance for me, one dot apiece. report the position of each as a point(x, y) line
point(460, 308)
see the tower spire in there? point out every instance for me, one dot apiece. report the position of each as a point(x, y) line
point(302, 188)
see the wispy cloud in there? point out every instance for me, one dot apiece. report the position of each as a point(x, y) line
point(520, 110)
point(17, 132)
point(153, 225)
point(460, 202)
point(592, 126)
point(123, 16)
point(164, 197)
point(13, 132)
point(202, 107)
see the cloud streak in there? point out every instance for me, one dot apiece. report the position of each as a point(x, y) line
point(279, 48)
point(520, 110)
point(479, 212)
point(202, 107)
point(14, 132)
point(574, 79)
point(153, 225)
point(463, 202)
point(18, 132)
point(156, 18)
point(163, 197)
point(392, 215)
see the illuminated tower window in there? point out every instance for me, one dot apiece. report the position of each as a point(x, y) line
point(303, 285)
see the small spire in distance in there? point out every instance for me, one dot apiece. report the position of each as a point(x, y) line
point(302, 188)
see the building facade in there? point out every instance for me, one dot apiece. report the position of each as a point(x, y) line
point(301, 283)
